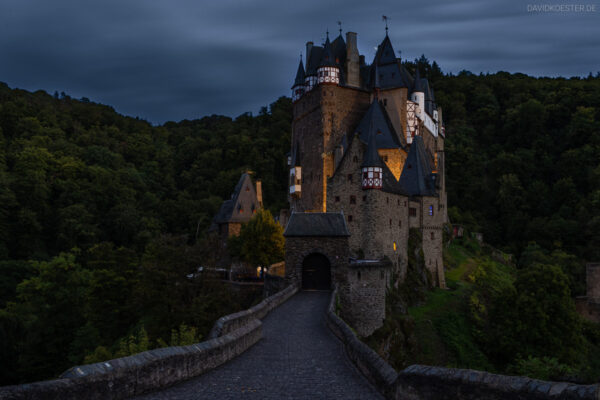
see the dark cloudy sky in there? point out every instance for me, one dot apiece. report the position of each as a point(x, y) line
point(174, 59)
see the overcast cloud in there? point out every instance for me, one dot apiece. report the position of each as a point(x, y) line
point(174, 59)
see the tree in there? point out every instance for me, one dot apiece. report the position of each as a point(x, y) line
point(262, 241)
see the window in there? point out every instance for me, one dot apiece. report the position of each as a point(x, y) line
point(390, 222)
point(352, 199)
point(385, 102)
point(412, 212)
point(394, 246)
point(358, 275)
point(432, 235)
point(349, 218)
point(404, 203)
point(431, 210)
point(365, 197)
point(355, 159)
point(385, 158)
point(381, 274)
point(350, 178)
point(398, 201)
point(337, 199)
point(240, 209)
point(400, 223)
point(387, 200)
point(247, 189)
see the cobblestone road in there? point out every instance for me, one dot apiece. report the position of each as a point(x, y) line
point(297, 358)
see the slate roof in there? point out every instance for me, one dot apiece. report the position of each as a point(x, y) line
point(299, 75)
point(416, 178)
point(327, 57)
point(313, 59)
point(371, 157)
point(339, 49)
point(225, 213)
point(385, 69)
point(418, 84)
point(316, 224)
point(376, 118)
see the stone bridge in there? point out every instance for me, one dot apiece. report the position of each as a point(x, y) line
point(302, 349)
point(297, 358)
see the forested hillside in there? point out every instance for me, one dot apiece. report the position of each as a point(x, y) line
point(103, 216)
point(113, 212)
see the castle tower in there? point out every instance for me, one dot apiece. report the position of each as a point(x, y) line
point(328, 71)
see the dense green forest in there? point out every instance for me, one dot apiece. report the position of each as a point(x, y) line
point(103, 216)
point(102, 219)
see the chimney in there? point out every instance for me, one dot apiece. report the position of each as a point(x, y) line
point(352, 60)
point(309, 46)
point(259, 193)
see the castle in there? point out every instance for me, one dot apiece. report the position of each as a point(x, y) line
point(366, 166)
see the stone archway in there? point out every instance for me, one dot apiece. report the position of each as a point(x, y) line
point(316, 272)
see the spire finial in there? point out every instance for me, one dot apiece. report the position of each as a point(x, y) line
point(340, 25)
point(385, 19)
point(327, 32)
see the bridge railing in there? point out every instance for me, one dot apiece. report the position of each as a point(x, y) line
point(154, 369)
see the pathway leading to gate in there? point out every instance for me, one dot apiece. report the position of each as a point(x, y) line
point(297, 358)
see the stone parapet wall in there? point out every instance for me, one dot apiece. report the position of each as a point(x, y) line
point(140, 373)
point(154, 369)
point(370, 364)
point(419, 382)
point(232, 322)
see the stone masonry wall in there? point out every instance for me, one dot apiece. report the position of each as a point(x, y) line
point(321, 117)
point(432, 229)
point(375, 219)
point(297, 248)
point(362, 288)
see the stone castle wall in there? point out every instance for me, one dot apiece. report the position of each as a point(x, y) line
point(376, 219)
point(362, 287)
point(321, 117)
point(297, 248)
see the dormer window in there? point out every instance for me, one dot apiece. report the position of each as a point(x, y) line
point(240, 209)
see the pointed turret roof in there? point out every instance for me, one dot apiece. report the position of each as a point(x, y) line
point(327, 57)
point(418, 85)
point(299, 75)
point(386, 68)
point(338, 47)
point(416, 178)
point(376, 118)
point(371, 157)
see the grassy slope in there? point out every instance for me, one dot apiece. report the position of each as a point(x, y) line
point(438, 331)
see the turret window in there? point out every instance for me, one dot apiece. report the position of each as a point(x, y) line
point(352, 199)
point(337, 199)
point(350, 178)
point(431, 211)
point(349, 218)
point(432, 235)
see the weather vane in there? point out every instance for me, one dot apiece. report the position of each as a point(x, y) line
point(385, 19)
point(340, 25)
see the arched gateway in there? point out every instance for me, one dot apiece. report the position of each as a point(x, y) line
point(316, 246)
point(316, 272)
